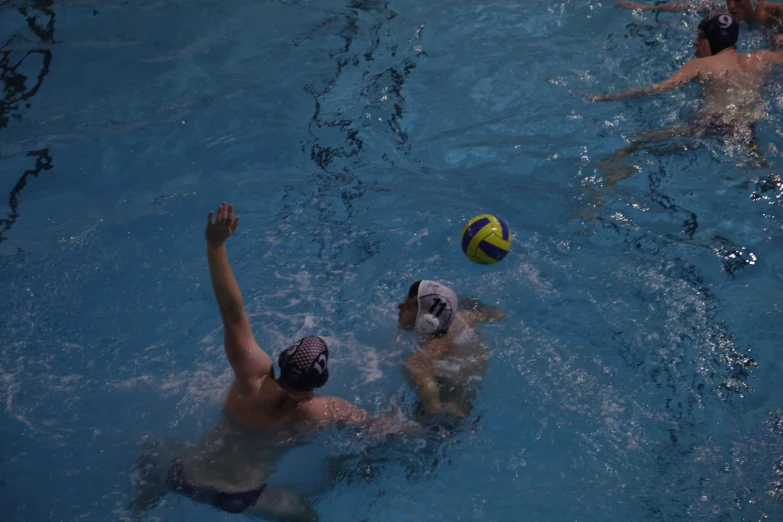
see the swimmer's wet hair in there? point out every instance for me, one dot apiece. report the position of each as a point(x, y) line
point(414, 289)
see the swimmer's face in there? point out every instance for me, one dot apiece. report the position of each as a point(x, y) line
point(408, 311)
point(702, 45)
point(739, 9)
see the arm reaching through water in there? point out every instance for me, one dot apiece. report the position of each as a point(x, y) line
point(774, 57)
point(419, 372)
point(344, 414)
point(684, 75)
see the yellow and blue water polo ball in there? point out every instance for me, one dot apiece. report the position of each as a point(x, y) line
point(486, 239)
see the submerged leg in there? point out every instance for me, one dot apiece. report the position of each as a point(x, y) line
point(279, 504)
point(612, 166)
point(758, 161)
point(149, 475)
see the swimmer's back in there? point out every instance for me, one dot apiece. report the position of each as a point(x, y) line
point(733, 63)
point(267, 408)
point(733, 83)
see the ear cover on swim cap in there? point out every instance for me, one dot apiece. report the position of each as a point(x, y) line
point(304, 366)
point(721, 30)
point(437, 308)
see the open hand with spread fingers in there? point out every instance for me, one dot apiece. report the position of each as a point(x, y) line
point(224, 225)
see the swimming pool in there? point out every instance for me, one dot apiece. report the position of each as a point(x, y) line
point(634, 376)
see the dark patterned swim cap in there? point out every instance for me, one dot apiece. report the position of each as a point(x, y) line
point(303, 366)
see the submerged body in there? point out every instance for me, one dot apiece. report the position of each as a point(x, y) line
point(732, 84)
point(229, 470)
point(446, 369)
point(456, 363)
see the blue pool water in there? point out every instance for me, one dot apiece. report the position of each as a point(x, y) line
point(634, 377)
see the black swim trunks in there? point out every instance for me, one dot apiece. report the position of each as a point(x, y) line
point(713, 125)
point(230, 502)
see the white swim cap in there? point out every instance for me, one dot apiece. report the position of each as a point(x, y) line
point(437, 308)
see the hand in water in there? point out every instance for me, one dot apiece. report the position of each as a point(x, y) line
point(629, 5)
point(596, 97)
point(777, 41)
point(225, 224)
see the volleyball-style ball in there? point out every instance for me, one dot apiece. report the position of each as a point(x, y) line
point(486, 239)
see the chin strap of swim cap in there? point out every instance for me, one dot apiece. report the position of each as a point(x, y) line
point(437, 308)
point(721, 30)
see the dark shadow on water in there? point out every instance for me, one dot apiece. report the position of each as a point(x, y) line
point(18, 89)
point(43, 161)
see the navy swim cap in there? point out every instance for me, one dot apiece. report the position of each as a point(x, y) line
point(303, 366)
point(721, 30)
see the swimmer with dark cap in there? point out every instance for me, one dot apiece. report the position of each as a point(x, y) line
point(761, 12)
point(264, 413)
point(447, 367)
point(731, 83)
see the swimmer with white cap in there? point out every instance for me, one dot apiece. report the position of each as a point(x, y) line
point(447, 367)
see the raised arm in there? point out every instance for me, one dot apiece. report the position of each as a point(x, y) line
point(769, 13)
point(246, 357)
point(685, 74)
